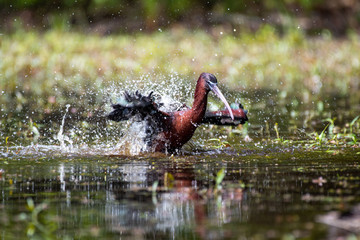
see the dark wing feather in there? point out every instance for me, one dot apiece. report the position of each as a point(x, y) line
point(138, 105)
point(141, 108)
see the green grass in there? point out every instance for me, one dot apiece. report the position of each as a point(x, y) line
point(36, 66)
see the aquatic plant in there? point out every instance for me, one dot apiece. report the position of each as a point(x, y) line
point(352, 123)
point(7, 143)
point(278, 138)
point(218, 143)
point(39, 223)
point(337, 136)
point(319, 138)
point(331, 125)
point(219, 178)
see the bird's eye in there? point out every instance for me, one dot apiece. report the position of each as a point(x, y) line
point(212, 78)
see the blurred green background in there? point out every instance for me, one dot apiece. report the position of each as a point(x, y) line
point(286, 58)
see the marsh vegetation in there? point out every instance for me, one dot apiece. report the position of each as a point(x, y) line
point(68, 173)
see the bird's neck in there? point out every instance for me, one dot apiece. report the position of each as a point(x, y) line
point(199, 106)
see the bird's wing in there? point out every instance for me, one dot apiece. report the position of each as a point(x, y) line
point(142, 109)
point(136, 105)
point(223, 117)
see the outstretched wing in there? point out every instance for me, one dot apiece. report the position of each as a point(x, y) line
point(223, 117)
point(144, 109)
point(136, 105)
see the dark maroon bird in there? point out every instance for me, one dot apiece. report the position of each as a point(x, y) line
point(169, 131)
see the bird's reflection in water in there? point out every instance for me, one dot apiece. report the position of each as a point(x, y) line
point(181, 202)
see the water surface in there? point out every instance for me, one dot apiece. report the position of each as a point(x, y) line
point(271, 192)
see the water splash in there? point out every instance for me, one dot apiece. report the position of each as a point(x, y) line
point(61, 137)
point(131, 143)
point(171, 91)
point(111, 138)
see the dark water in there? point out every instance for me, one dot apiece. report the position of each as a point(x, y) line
point(273, 192)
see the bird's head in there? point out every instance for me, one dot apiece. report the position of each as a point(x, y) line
point(211, 85)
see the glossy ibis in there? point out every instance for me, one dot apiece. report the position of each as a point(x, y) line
point(169, 131)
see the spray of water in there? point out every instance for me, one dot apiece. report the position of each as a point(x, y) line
point(124, 138)
point(66, 144)
point(172, 92)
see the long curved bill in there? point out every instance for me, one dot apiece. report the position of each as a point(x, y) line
point(217, 92)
